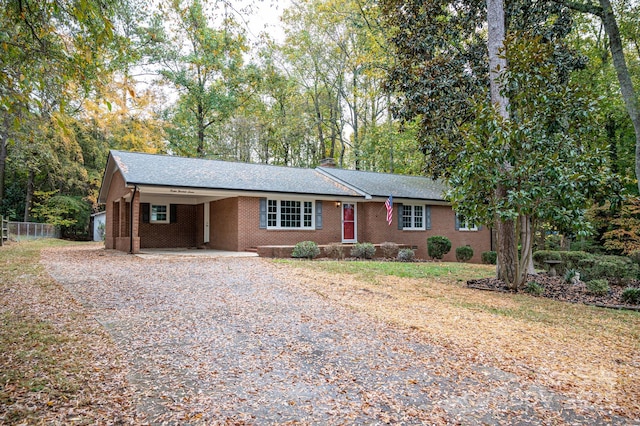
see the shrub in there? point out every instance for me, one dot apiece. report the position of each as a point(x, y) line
point(540, 256)
point(612, 268)
point(635, 256)
point(334, 251)
point(599, 287)
point(363, 250)
point(389, 250)
point(631, 295)
point(489, 257)
point(571, 258)
point(464, 253)
point(534, 288)
point(305, 249)
point(570, 274)
point(438, 246)
point(406, 255)
point(553, 242)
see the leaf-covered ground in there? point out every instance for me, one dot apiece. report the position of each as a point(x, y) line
point(58, 366)
point(247, 341)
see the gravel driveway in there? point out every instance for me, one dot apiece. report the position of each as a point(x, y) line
point(233, 341)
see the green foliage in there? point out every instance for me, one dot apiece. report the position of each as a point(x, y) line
point(534, 288)
point(464, 253)
point(570, 274)
point(571, 259)
point(553, 242)
point(363, 250)
point(406, 255)
point(438, 246)
point(631, 295)
point(334, 251)
point(70, 214)
point(540, 256)
point(208, 73)
point(306, 249)
point(635, 256)
point(389, 250)
point(599, 287)
point(489, 257)
point(612, 268)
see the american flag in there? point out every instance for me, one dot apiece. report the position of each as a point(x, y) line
point(389, 205)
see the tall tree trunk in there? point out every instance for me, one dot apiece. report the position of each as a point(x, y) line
point(620, 64)
point(29, 196)
point(526, 246)
point(200, 121)
point(605, 12)
point(356, 135)
point(508, 268)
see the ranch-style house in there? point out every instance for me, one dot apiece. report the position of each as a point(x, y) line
point(163, 201)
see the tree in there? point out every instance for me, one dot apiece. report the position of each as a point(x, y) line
point(501, 168)
point(207, 71)
point(508, 266)
point(605, 12)
point(54, 54)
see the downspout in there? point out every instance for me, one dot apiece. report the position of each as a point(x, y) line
point(133, 198)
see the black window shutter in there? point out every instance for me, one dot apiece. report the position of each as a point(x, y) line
point(145, 208)
point(263, 213)
point(400, 212)
point(318, 214)
point(427, 213)
point(457, 221)
point(173, 217)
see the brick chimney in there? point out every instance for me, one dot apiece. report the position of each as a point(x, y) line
point(328, 162)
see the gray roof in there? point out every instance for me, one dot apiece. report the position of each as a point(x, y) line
point(166, 170)
point(181, 172)
point(385, 184)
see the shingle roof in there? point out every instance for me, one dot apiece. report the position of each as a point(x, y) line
point(165, 170)
point(181, 172)
point(385, 184)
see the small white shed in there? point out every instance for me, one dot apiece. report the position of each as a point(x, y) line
point(98, 222)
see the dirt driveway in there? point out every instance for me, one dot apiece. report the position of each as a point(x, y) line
point(234, 341)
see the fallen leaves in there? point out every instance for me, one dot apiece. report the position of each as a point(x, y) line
point(241, 341)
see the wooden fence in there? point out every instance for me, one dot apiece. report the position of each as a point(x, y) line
point(4, 230)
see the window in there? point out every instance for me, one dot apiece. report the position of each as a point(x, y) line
point(159, 213)
point(464, 224)
point(413, 217)
point(290, 214)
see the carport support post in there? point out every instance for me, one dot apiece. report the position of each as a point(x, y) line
point(132, 217)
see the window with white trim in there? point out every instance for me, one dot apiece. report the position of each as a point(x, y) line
point(466, 225)
point(413, 217)
point(290, 214)
point(159, 213)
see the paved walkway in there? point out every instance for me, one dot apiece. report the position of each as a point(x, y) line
point(230, 341)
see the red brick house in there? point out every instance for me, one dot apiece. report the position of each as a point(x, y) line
point(159, 201)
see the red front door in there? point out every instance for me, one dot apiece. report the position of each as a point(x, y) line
point(348, 222)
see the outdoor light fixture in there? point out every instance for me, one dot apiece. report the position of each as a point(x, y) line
point(337, 203)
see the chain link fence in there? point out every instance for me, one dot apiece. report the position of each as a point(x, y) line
point(18, 231)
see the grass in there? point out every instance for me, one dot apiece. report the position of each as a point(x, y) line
point(586, 351)
point(372, 270)
point(47, 343)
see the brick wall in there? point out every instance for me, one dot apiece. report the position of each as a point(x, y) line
point(115, 208)
point(169, 235)
point(223, 224)
point(250, 235)
point(372, 227)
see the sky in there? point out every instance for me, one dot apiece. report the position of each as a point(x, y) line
point(265, 17)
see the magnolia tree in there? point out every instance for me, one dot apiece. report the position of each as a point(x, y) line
point(553, 173)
